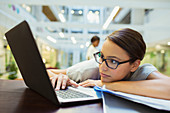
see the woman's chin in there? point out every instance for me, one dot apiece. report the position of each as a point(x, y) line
point(105, 80)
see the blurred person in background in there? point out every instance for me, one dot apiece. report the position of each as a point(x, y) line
point(92, 48)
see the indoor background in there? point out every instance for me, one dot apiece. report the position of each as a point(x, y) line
point(63, 29)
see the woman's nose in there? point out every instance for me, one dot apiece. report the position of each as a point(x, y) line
point(103, 66)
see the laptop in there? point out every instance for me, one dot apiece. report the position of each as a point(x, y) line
point(33, 70)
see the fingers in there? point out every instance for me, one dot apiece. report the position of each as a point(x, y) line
point(53, 80)
point(87, 83)
point(59, 82)
point(53, 77)
point(73, 83)
point(83, 83)
point(63, 80)
point(60, 79)
point(64, 83)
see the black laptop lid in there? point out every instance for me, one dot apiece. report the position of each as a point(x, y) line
point(29, 61)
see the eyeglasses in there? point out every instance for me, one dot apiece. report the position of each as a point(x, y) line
point(113, 64)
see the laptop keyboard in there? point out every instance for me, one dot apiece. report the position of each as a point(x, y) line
point(69, 94)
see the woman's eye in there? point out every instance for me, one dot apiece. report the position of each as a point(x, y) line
point(113, 61)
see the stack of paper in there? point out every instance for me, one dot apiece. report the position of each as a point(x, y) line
point(160, 104)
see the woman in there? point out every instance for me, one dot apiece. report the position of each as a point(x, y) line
point(92, 48)
point(119, 69)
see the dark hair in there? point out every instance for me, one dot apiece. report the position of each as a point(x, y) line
point(94, 38)
point(131, 41)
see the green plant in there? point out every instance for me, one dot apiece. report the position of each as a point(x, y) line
point(12, 70)
point(57, 65)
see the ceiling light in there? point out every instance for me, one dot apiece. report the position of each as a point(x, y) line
point(80, 12)
point(61, 34)
point(61, 17)
point(90, 12)
point(62, 11)
point(112, 15)
point(51, 39)
point(92, 17)
point(97, 12)
point(87, 44)
point(72, 11)
point(74, 41)
point(81, 46)
point(72, 38)
point(28, 9)
point(23, 5)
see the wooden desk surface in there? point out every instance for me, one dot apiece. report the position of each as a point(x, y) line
point(15, 97)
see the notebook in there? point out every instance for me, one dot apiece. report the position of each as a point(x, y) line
point(111, 102)
point(33, 70)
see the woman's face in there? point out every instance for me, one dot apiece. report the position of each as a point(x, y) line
point(96, 43)
point(109, 48)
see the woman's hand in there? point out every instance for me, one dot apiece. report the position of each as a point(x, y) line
point(90, 82)
point(60, 80)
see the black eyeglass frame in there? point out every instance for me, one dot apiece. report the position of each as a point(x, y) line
point(103, 59)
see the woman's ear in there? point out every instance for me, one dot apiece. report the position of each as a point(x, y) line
point(135, 65)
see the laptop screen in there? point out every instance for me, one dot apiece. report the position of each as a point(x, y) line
point(29, 61)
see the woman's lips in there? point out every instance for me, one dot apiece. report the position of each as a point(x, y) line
point(104, 75)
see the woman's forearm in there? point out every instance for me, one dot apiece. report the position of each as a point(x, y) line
point(157, 88)
point(58, 71)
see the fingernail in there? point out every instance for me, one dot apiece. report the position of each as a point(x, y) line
point(63, 87)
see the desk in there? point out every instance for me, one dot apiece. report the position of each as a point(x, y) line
point(15, 97)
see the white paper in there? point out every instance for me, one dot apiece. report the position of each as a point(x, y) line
point(160, 104)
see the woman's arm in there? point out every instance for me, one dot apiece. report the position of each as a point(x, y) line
point(78, 72)
point(57, 71)
point(157, 85)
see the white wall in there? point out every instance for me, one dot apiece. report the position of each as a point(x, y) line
point(157, 26)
